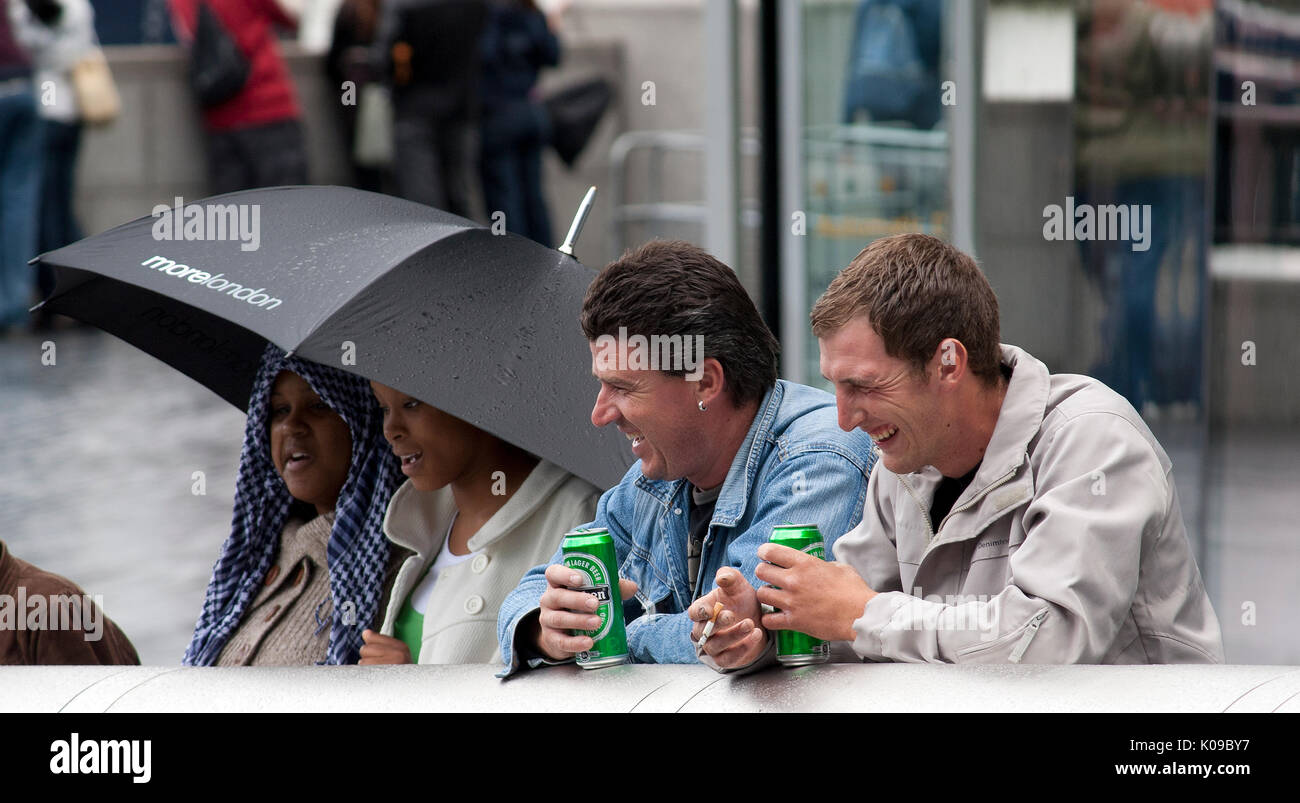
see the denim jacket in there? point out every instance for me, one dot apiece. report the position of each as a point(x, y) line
point(796, 466)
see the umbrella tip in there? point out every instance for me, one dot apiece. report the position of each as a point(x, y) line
point(288, 354)
point(34, 260)
point(575, 228)
point(38, 306)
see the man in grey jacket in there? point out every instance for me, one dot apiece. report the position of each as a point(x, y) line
point(1019, 515)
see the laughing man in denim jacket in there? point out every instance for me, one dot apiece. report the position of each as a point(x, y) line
point(725, 453)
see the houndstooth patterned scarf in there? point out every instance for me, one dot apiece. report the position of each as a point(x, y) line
point(357, 552)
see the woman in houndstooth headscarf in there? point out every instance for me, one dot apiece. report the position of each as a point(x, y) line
point(306, 567)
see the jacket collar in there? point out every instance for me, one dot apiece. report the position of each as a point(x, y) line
point(418, 520)
point(1019, 421)
point(1020, 418)
point(734, 496)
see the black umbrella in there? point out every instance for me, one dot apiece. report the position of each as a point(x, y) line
point(480, 325)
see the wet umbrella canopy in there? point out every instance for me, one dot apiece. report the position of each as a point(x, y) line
point(480, 325)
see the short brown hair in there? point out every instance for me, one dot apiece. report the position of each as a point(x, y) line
point(916, 290)
point(670, 287)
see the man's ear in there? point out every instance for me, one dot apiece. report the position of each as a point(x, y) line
point(950, 360)
point(711, 383)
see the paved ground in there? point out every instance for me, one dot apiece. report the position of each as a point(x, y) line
point(97, 474)
point(1252, 550)
point(97, 481)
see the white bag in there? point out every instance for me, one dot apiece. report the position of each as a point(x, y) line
point(374, 141)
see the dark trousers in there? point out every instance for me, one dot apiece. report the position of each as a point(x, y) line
point(20, 182)
point(433, 149)
point(270, 155)
point(58, 224)
point(513, 136)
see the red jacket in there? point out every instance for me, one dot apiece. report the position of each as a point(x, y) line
point(268, 96)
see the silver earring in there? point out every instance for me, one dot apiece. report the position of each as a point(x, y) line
point(701, 404)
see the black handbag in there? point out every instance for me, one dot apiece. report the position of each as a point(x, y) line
point(575, 111)
point(218, 69)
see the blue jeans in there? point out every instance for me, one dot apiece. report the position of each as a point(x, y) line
point(1153, 352)
point(20, 181)
point(58, 225)
point(511, 168)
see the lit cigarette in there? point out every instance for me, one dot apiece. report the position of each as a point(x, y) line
point(708, 626)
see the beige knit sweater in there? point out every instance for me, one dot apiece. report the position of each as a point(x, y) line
point(280, 627)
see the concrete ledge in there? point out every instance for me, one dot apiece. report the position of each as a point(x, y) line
point(853, 688)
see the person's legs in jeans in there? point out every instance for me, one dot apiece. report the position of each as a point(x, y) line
point(513, 137)
point(1139, 299)
point(1179, 332)
point(1103, 269)
point(530, 159)
point(1141, 270)
point(500, 172)
point(20, 174)
point(537, 219)
point(58, 224)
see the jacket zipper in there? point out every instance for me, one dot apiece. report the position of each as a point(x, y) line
point(999, 482)
point(1032, 631)
point(925, 514)
point(996, 483)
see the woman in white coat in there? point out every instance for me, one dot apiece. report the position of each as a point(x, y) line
point(477, 513)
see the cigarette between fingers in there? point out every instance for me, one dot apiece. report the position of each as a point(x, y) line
point(708, 626)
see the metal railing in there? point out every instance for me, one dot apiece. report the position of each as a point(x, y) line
point(659, 145)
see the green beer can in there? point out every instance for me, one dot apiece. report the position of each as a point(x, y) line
point(792, 647)
point(591, 554)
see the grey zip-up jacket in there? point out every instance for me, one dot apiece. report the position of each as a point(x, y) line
point(1067, 547)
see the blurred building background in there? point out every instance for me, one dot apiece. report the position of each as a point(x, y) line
point(785, 135)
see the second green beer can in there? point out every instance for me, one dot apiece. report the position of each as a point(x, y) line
point(591, 554)
point(792, 647)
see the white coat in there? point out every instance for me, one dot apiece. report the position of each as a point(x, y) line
point(461, 617)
